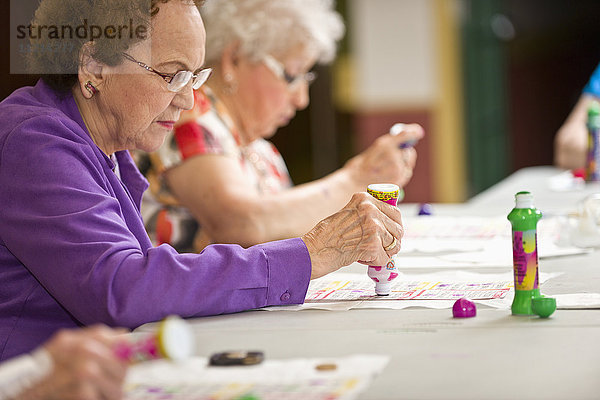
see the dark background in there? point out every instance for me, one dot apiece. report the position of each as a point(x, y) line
point(542, 70)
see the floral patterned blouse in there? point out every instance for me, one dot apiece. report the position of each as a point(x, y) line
point(205, 129)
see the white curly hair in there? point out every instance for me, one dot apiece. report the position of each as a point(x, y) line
point(271, 27)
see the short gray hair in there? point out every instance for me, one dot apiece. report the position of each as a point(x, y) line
point(271, 27)
point(61, 67)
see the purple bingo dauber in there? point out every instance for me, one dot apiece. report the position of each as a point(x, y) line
point(396, 129)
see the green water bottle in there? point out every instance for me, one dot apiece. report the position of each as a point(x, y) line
point(524, 218)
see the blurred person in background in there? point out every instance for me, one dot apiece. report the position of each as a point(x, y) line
point(217, 179)
point(571, 141)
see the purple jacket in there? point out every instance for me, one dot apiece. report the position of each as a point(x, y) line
point(73, 249)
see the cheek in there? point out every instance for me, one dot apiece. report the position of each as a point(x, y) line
point(273, 102)
point(262, 103)
point(141, 97)
point(146, 107)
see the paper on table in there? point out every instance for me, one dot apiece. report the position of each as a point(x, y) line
point(445, 242)
point(450, 261)
point(456, 227)
point(499, 252)
point(296, 378)
point(577, 301)
point(420, 287)
point(445, 299)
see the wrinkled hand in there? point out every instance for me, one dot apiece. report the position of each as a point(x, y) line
point(358, 232)
point(384, 161)
point(85, 367)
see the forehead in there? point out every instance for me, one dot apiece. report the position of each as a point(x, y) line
point(178, 34)
point(299, 56)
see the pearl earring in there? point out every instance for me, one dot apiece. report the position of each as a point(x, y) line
point(231, 85)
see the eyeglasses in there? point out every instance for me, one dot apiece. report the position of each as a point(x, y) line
point(292, 80)
point(178, 80)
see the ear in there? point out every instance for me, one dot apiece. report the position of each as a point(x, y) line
point(90, 70)
point(230, 58)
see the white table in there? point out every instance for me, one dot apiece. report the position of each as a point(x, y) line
point(433, 356)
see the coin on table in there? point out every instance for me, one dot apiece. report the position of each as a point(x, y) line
point(326, 367)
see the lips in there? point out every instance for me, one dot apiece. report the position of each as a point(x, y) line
point(167, 124)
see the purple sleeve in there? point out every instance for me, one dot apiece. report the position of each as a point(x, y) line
point(81, 236)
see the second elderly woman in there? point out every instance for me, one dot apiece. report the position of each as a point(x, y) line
point(217, 179)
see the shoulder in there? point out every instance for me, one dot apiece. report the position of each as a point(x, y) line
point(265, 148)
point(32, 114)
point(39, 133)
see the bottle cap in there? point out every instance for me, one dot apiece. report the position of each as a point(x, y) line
point(425, 209)
point(387, 192)
point(383, 288)
point(464, 308)
point(593, 109)
point(578, 173)
point(524, 200)
point(383, 187)
point(593, 119)
point(175, 338)
point(543, 306)
point(396, 129)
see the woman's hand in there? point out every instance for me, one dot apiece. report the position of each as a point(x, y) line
point(570, 145)
point(84, 367)
point(571, 141)
point(358, 232)
point(384, 161)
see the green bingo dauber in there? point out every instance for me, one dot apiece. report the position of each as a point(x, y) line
point(528, 299)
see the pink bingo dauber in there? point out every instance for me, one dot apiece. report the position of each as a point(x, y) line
point(384, 275)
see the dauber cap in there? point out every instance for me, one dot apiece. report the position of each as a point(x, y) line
point(464, 308)
point(524, 200)
point(543, 306)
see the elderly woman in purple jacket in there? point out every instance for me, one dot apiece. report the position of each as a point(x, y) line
point(73, 249)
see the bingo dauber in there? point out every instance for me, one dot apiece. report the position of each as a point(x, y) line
point(396, 129)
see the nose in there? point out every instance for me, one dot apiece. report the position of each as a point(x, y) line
point(300, 96)
point(184, 99)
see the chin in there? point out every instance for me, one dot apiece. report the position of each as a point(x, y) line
point(152, 145)
point(270, 132)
